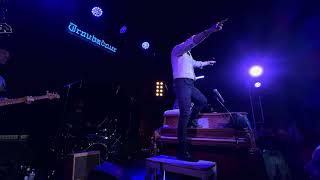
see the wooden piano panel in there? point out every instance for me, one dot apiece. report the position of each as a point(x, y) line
point(205, 120)
point(206, 133)
point(209, 137)
point(211, 133)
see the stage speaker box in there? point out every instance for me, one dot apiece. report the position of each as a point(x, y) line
point(14, 148)
point(79, 165)
point(276, 166)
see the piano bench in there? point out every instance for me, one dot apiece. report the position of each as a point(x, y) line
point(201, 169)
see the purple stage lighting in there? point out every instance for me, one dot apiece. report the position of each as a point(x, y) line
point(256, 71)
point(97, 11)
point(145, 45)
point(123, 29)
point(257, 84)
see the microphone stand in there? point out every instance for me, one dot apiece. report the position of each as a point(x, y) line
point(225, 107)
point(68, 86)
point(67, 98)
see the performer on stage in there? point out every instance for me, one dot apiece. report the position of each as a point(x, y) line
point(183, 66)
point(4, 58)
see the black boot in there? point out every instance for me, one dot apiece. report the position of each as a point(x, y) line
point(193, 124)
point(183, 153)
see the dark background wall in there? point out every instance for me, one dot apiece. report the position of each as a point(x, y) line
point(281, 35)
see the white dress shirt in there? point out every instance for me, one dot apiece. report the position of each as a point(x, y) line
point(182, 62)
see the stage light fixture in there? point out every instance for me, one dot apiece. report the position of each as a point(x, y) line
point(145, 45)
point(257, 84)
point(123, 29)
point(256, 71)
point(159, 91)
point(97, 11)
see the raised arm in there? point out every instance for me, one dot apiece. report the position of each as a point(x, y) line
point(193, 41)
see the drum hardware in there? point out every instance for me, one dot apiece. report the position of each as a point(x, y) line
point(106, 140)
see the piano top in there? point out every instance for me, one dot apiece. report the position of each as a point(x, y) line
point(175, 112)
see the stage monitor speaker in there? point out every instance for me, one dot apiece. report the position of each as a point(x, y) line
point(79, 165)
point(276, 166)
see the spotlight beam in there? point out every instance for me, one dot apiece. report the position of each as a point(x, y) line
point(256, 71)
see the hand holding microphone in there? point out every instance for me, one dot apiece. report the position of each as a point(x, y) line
point(218, 26)
point(223, 21)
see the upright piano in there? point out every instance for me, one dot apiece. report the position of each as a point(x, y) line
point(213, 131)
point(234, 150)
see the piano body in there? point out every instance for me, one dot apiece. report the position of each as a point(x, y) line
point(211, 133)
point(234, 150)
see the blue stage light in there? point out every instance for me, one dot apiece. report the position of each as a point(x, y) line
point(257, 84)
point(145, 45)
point(123, 29)
point(97, 11)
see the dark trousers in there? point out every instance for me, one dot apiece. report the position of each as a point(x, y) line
point(186, 93)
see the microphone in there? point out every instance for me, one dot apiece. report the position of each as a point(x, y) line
point(165, 85)
point(224, 20)
point(71, 84)
point(118, 88)
point(219, 95)
point(199, 77)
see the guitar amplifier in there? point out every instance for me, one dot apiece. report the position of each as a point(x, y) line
point(14, 148)
point(14, 138)
point(79, 165)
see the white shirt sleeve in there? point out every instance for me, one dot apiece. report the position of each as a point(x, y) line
point(184, 47)
point(198, 64)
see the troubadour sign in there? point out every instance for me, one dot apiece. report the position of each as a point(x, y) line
point(74, 30)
